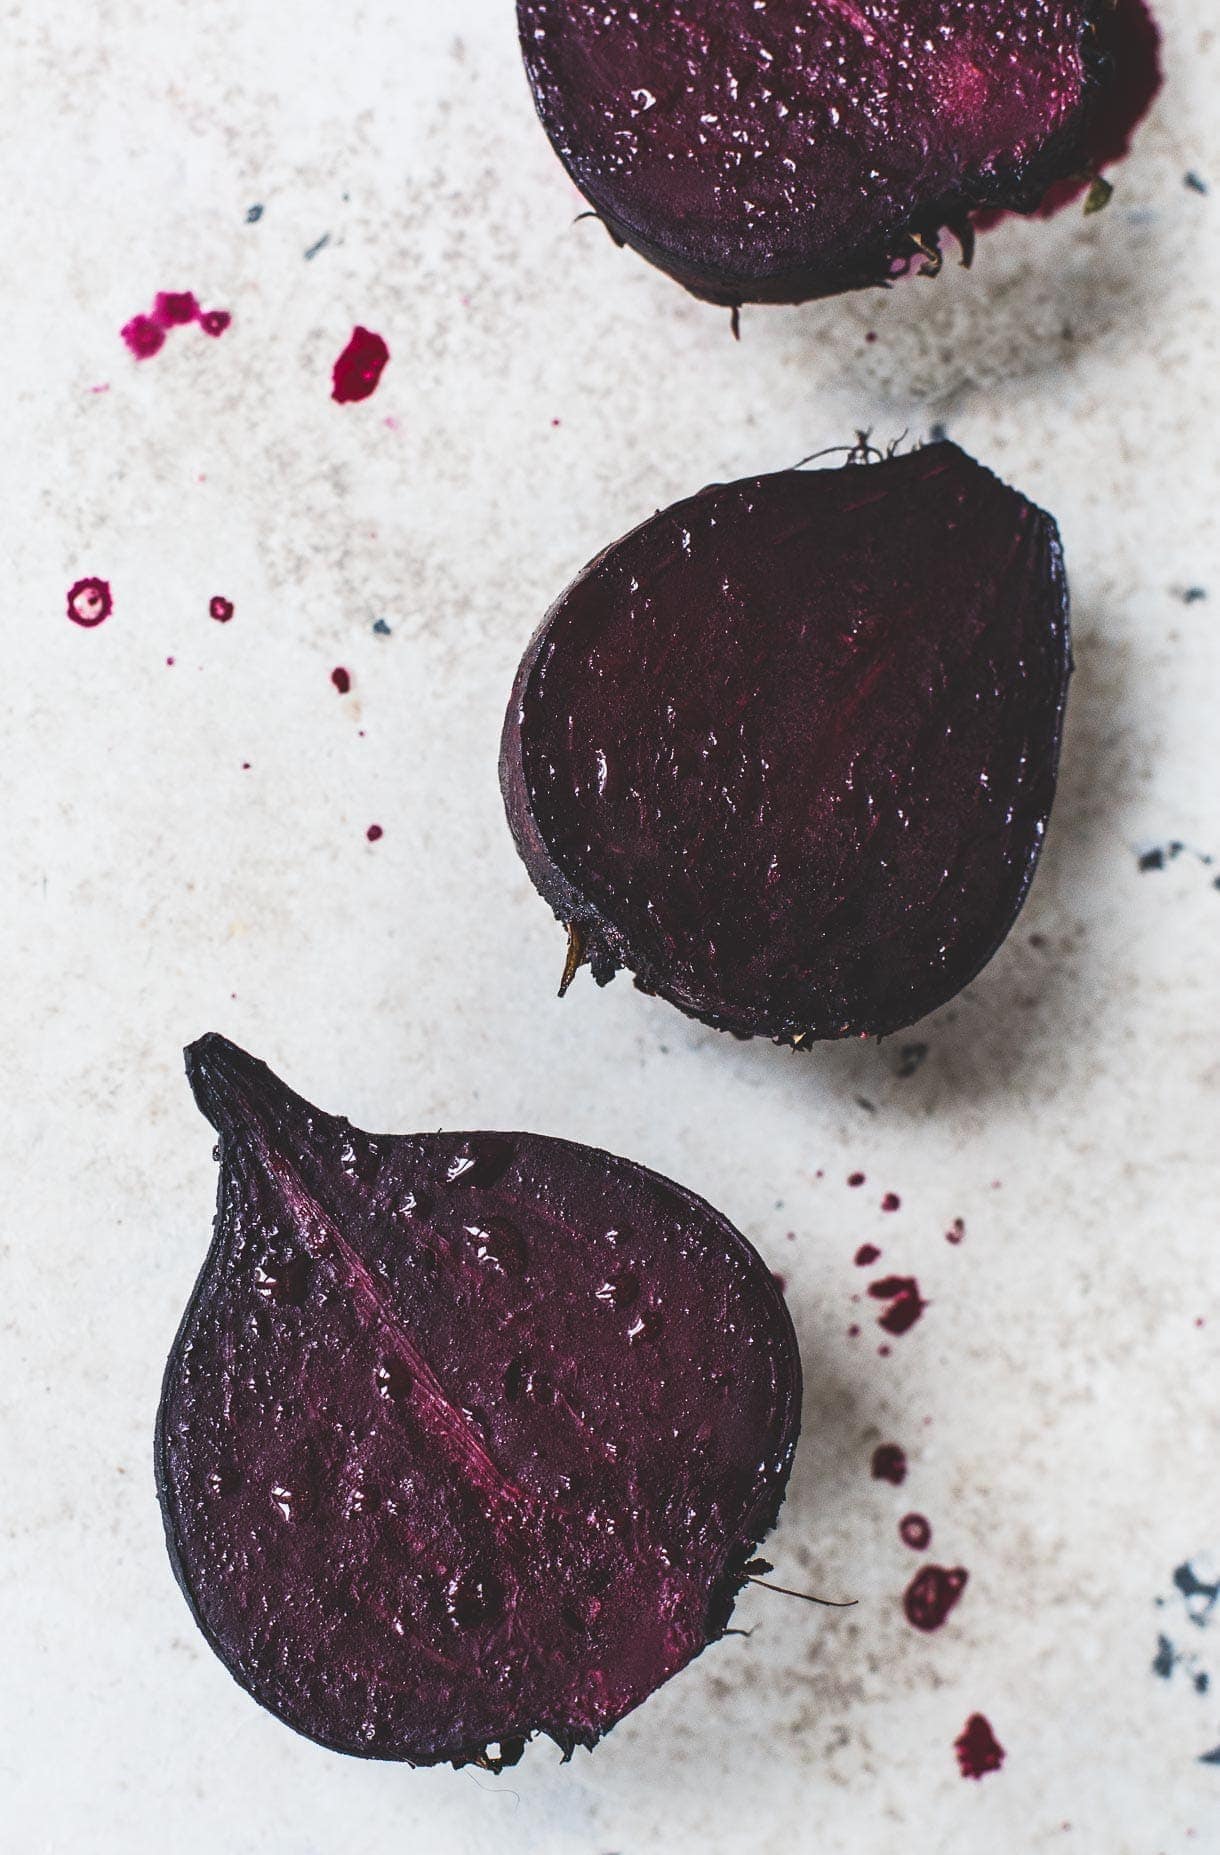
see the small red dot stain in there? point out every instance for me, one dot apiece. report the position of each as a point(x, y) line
point(169, 661)
point(143, 337)
point(174, 308)
point(906, 1302)
point(866, 1254)
point(853, 1333)
point(932, 1594)
point(915, 1532)
point(215, 321)
point(883, 1352)
point(1200, 1321)
point(554, 423)
point(956, 1230)
point(245, 766)
point(891, 1202)
point(890, 1463)
point(220, 609)
point(978, 1750)
point(359, 367)
point(374, 832)
point(871, 336)
point(855, 1179)
point(341, 679)
point(89, 602)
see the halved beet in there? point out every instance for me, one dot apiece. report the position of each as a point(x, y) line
point(788, 749)
point(463, 1436)
point(776, 150)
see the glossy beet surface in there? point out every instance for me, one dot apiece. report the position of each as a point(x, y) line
point(792, 149)
point(463, 1436)
point(787, 751)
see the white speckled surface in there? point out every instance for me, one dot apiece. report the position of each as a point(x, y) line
point(1059, 1401)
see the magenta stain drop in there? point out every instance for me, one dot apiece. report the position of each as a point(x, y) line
point(956, 1230)
point(906, 1302)
point(220, 609)
point(359, 367)
point(174, 308)
point(374, 832)
point(932, 1594)
point(89, 602)
point(855, 1179)
point(866, 1254)
point(143, 337)
point(914, 1531)
point(890, 1463)
point(978, 1750)
point(891, 1202)
point(341, 679)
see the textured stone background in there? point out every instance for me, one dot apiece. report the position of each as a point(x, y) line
point(1059, 1401)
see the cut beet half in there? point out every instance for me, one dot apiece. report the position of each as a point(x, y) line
point(787, 751)
point(777, 152)
point(464, 1437)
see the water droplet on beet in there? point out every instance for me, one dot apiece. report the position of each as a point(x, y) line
point(285, 1283)
point(499, 1245)
point(759, 157)
point(645, 1325)
point(362, 1483)
point(483, 1162)
point(802, 704)
point(394, 1381)
point(621, 1291)
point(475, 1597)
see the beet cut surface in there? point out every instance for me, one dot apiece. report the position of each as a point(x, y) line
point(777, 152)
point(463, 1436)
point(787, 750)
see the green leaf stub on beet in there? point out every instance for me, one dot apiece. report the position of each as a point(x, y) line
point(464, 1437)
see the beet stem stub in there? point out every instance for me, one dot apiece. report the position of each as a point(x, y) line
point(779, 152)
point(463, 1437)
point(788, 750)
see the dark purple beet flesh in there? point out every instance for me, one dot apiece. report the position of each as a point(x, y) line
point(787, 751)
point(793, 149)
point(463, 1436)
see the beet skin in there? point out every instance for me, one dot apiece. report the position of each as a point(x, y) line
point(463, 1437)
point(787, 751)
point(769, 153)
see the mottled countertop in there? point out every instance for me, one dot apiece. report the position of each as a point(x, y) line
point(187, 806)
